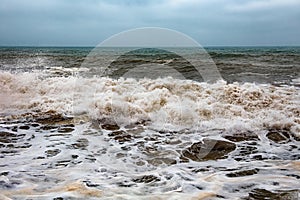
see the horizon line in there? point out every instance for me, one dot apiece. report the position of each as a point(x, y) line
point(90, 46)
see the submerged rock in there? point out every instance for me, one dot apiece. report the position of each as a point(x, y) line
point(25, 127)
point(107, 124)
point(243, 173)
point(51, 153)
point(278, 136)
point(111, 127)
point(65, 130)
point(208, 149)
point(279, 195)
point(7, 137)
point(241, 136)
point(146, 179)
point(81, 143)
point(51, 117)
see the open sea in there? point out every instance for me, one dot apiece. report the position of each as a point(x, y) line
point(114, 123)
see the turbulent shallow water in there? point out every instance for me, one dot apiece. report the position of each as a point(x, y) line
point(66, 134)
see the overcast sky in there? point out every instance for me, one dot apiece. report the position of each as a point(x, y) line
point(210, 22)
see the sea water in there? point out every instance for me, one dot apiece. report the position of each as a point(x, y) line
point(70, 131)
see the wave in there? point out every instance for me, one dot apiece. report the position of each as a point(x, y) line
point(166, 103)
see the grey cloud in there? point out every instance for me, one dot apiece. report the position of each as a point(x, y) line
point(211, 22)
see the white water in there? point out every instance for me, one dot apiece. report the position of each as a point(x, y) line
point(167, 103)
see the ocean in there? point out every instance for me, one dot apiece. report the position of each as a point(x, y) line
point(117, 123)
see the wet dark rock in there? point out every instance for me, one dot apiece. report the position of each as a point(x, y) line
point(48, 127)
point(125, 184)
point(110, 127)
point(56, 135)
point(247, 150)
point(107, 124)
point(81, 143)
point(123, 138)
point(51, 117)
point(146, 179)
point(24, 127)
point(126, 148)
point(4, 173)
point(278, 136)
point(241, 136)
point(140, 163)
point(10, 146)
point(65, 130)
point(91, 158)
point(295, 157)
point(51, 153)
point(115, 133)
point(220, 196)
point(35, 125)
point(68, 125)
point(62, 163)
point(296, 137)
point(7, 137)
point(263, 194)
point(294, 175)
point(208, 149)
point(8, 152)
point(159, 161)
point(200, 170)
point(24, 146)
point(89, 184)
point(243, 173)
point(15, 129)
point(40, 157)
point(58, 198)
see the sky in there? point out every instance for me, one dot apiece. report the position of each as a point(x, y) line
point(209, 22)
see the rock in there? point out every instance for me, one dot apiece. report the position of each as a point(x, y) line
point(243, 173)
point(58, 198)
point(281, 194)
point(278, 136)
point(208, 149)
point(115, 133)
point(7, 137)
point(24, 127)
point(111, 127)
point(160, 161)
point(146, 179)
point(65, 130)
point(123, 138)
point(108, 124)
point(241, 136)
point(51, 153)
point(247, 150)
point(48, 127)
point(81, 143)
point(51, 117)
point(5, 173)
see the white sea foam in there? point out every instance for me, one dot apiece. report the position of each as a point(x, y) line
point(166, 102)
